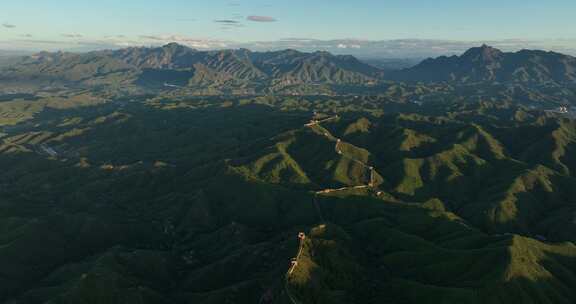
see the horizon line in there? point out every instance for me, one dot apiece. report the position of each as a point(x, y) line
point(392, 48)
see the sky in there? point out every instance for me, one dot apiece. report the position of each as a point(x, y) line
point(346, 26)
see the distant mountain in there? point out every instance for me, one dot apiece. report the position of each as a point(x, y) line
point(10, 57)
point(487, 64)
point(13, 53)
point(241, 71)
point(179, 66)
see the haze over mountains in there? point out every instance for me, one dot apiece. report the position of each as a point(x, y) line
point(360, 48)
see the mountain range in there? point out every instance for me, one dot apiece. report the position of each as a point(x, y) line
point(175, 65)
point(241, 71)
point(487, 64)
point(452, 181)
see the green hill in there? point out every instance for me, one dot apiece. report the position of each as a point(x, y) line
point(166, 199)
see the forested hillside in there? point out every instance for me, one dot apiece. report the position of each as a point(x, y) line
point(151, 199)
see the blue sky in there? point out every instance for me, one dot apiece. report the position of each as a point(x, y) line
point(219, 23)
